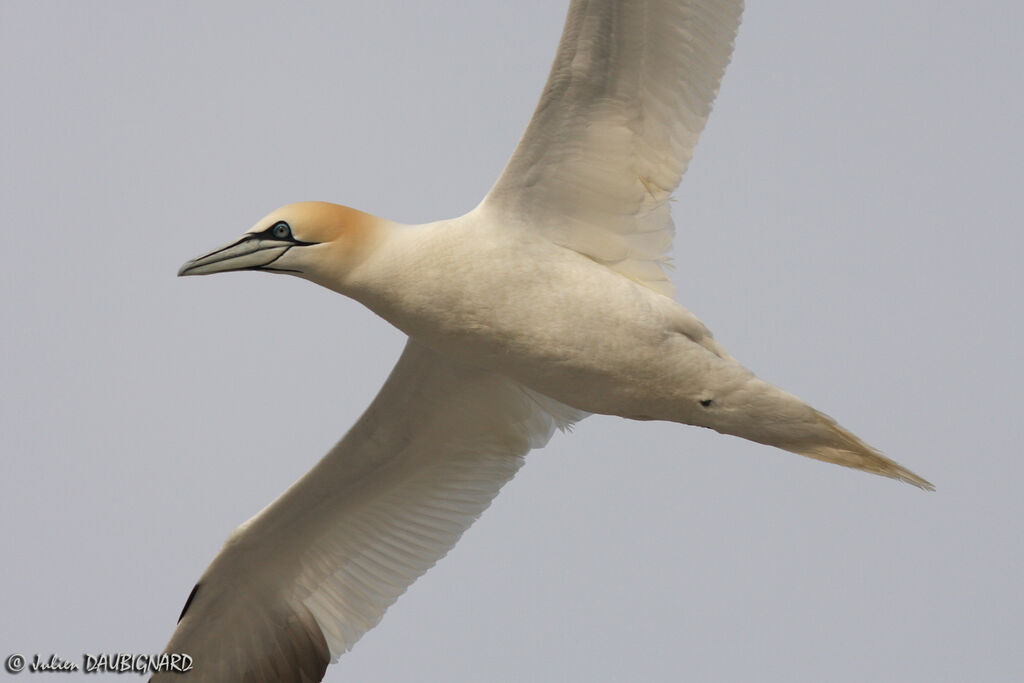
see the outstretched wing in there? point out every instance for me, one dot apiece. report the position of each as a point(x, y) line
point(299, 583)
point(628, 95)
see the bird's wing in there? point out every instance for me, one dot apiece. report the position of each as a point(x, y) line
point(298, 584)
point(628, 94)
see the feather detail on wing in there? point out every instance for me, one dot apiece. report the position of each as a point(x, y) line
point(299, 583)
point(628, 95)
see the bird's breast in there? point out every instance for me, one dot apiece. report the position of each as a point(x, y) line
point(548, 317)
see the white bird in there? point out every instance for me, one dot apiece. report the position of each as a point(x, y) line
point(543, 304)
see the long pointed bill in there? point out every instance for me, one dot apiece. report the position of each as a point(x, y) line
point(252, 252)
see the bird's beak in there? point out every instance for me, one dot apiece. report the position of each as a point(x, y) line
point(251, 252)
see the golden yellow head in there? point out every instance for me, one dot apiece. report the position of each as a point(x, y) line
point(322, 222)
point(315, 240)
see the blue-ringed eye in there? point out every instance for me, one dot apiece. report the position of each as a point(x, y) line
point(281, 231)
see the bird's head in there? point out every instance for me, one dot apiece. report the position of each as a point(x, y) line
point(318, 241)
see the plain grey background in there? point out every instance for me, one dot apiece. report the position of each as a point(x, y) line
point(849, 229)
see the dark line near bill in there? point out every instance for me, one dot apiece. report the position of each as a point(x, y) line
point(225, 248)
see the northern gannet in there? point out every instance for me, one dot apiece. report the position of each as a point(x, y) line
point(545, 303)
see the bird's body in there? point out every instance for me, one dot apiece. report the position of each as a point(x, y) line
point(545, 303)
point(486, 291)
point(507, 300)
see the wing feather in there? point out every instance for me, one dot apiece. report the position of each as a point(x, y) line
point(628, 95)
point(299, 583)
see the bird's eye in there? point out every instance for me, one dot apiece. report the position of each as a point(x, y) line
point(281, 231)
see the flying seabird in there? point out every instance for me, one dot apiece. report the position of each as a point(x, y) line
point(545, 303)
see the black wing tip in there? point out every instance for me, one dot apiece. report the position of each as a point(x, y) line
point(188, 602)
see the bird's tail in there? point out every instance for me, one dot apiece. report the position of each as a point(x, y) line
point(762, 412)
point(843, 448)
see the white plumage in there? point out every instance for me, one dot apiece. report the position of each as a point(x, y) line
point(628, 95)
point(545, 303)
point(300, 582)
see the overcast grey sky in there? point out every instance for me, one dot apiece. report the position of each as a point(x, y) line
point(849, 229)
